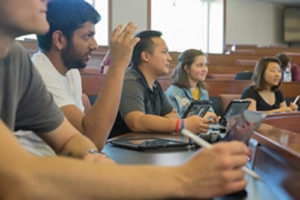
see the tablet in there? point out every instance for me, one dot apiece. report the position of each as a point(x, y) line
point(242, 126)
point(197, 108)
point(149, 143)
point(235, 107)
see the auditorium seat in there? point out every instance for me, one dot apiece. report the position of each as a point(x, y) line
point(246, 62)
point(243, 52)
point(226, 98)
point(222, 76)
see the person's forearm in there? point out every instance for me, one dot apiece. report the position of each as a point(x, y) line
point(97, 123)
point(154, 123)
point(41, 178)
point(172, 115)
point(77, 146)
point(272, 111)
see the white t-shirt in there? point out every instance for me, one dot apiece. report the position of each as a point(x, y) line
point(66, 90)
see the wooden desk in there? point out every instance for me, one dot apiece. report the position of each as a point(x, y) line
point(257, 190)
point(287, 121)
point(277, 160)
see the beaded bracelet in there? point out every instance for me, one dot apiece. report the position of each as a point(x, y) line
point(178, 122)
point(182, 124)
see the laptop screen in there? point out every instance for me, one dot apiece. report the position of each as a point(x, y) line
point(240, 127)
point(235, 107)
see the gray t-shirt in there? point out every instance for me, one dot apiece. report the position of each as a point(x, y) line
point(25, 102)
point(137, 96)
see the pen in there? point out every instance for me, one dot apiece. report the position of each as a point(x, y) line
point(205, 144)
point(295, 101)
point(108, 51)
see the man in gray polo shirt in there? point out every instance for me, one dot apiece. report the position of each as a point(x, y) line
point(144, 106)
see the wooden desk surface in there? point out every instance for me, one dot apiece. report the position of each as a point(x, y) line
point(257, 190)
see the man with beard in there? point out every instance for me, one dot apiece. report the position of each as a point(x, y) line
point(67, 48)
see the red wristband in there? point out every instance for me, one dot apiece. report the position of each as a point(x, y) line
point(178, 123)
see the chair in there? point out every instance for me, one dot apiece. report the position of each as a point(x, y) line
point(246, 62)
point(245, 75)
point(222, 76)
point(243, 52)
point(226, 98)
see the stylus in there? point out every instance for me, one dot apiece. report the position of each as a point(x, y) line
point(205, 144)
point(295, 101)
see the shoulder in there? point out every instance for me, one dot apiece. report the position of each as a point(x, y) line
point(131, 75)
point(73, 74)
point(17, 54)
point(278, 92)
point(249, 89)
point(174, 89)
point(18, 61)
point(17, 48)
point(249, 92)
point(203, 91)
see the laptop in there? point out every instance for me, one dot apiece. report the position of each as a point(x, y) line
point(197, 108)
point(150, 143)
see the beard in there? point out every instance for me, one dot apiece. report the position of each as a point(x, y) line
point(71, 58)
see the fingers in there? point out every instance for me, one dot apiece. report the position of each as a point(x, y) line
point(232, 162)
point(234, 186)
point(293, 106)
point(211, 117)
point(100, 158)
point(125, 34)
point(233, 147)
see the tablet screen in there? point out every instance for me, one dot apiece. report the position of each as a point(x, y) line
point(234, 108)
point(241, 127)
point(197, 108)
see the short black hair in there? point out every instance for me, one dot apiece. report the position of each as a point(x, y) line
point(145, 44)
point(66, 16)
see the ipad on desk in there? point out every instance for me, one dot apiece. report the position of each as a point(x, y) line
point(197, 108)
point(149, 143)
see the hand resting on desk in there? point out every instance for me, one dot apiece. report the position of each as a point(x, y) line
point(216, 171)
point(98, 158)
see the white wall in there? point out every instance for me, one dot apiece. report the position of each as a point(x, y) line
point(253, 22)
point(247, 21)
point(124, 11)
